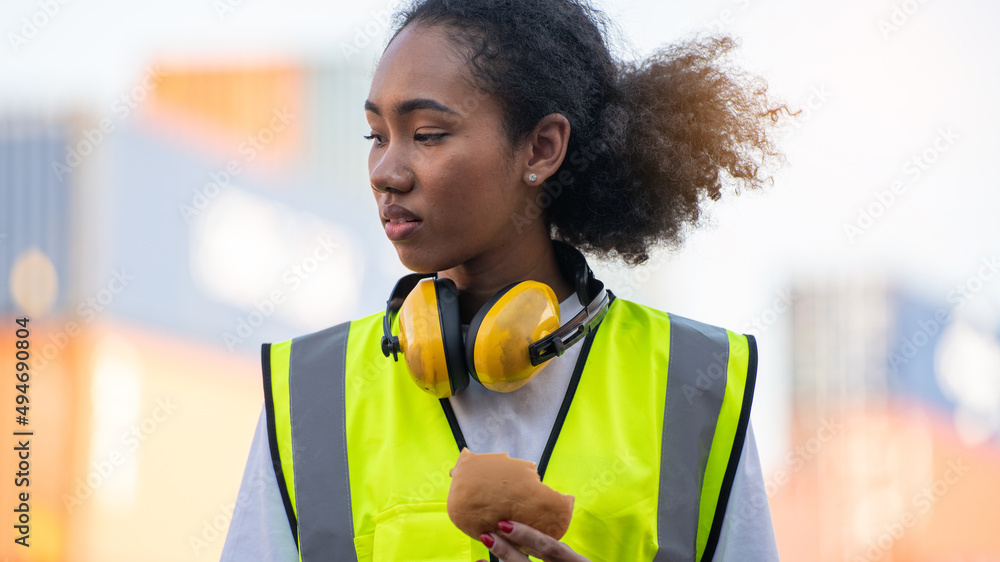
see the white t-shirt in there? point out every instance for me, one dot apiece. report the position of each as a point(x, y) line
point(517, 423)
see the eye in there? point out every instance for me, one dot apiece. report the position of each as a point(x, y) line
point(418, 137)
point(374, 136)
point(422, 137)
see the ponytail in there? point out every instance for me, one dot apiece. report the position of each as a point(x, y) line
point(678, 125)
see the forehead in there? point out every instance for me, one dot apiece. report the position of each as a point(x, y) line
point(421, 62)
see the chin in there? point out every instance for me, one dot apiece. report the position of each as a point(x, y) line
point(417, 259)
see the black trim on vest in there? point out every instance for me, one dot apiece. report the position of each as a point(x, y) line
point(574, 381)
point(272, 441)
point(734, 458)
point(456, 431)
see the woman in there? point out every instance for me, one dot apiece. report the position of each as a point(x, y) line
point(498, 127)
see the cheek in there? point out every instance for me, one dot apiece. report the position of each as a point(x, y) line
point(484, 180)
point(476, 197)
point(473, 187)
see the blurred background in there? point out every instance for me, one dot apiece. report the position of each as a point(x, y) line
point(182, 181)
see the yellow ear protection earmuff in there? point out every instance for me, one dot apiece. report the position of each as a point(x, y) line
point(430, 333)
point(509, 340)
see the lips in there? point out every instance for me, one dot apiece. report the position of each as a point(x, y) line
point(399, 222)
point(397, 214)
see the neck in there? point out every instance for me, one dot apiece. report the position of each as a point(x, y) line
point(482, 277)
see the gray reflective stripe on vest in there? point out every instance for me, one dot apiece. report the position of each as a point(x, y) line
point(319, 445)
point(698, 349)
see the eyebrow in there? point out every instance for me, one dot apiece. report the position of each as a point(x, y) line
point(412, 105)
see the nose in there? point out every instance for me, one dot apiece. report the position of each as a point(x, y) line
point(389, 170)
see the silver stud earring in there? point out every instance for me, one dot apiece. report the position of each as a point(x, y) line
point(532, 177)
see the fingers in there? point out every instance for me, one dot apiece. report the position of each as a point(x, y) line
point(502, 548)
point(535, 543)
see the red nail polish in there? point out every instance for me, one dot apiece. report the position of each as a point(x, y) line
point(505, 526)
point(487, 539)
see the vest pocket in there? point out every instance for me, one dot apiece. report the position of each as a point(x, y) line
point(419, 532)
point(363, 547)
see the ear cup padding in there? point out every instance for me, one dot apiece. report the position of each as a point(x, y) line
point(451, 333)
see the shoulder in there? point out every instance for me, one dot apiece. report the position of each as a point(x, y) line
point(631, 312)
point(697, 347)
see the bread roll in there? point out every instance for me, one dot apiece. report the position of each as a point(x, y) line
point(488, 488)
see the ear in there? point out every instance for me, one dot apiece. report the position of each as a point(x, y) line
point(547, 146)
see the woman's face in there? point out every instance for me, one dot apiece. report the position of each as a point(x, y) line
point(439, 164)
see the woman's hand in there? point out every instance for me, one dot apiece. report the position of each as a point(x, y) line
point(513, 539)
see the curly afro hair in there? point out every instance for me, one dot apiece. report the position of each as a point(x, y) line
point(649, 141)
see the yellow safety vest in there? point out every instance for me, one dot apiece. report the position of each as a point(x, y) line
point(647, 438)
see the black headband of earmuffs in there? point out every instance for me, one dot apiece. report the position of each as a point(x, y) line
point(594, 298)
point(390, 343)
point(572, 265)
